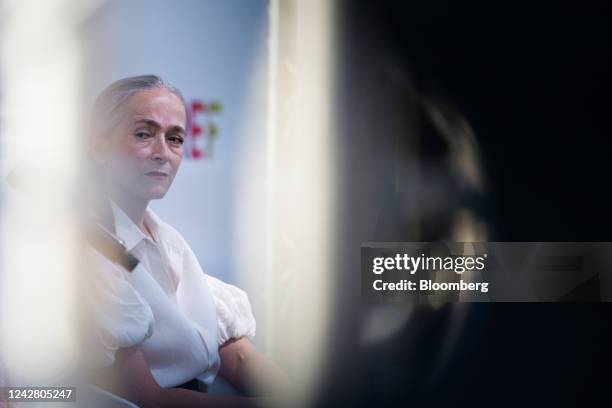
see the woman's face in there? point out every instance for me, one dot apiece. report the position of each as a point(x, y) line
point(144, 151)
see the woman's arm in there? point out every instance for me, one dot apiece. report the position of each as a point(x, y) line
point(131, 378)
point(249, 371)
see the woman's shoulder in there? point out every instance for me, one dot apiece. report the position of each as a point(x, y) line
point(120, 314)
point(234, 313)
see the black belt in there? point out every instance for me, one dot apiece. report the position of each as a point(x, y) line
point(193, 385)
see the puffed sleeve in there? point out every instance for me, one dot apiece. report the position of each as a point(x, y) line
point(234, 315)
point(121, 317)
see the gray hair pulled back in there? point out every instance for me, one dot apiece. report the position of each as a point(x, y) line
point(106, 112)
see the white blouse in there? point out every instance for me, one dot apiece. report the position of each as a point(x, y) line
point(176, 313)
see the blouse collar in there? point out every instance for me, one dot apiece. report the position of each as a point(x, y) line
point(127, 230)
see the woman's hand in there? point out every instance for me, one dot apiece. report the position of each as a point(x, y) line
point(249, 371)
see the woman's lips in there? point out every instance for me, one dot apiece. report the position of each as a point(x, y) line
point(157, 175)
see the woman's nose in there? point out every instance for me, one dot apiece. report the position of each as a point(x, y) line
point(160, 150)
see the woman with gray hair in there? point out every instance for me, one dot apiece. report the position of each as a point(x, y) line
point(164, 324)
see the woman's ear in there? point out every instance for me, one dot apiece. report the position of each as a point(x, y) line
point(98, 149)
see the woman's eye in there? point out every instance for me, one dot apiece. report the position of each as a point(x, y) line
point(176, 140)
point(142, 135)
